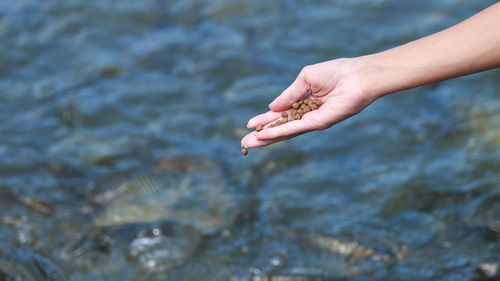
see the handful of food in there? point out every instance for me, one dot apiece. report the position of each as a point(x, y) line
point(298, 109)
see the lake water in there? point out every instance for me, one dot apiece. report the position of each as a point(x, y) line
point(120, 127)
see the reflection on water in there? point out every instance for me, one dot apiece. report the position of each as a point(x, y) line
point(119, 147)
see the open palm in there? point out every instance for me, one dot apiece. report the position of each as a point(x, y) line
point(335, 82)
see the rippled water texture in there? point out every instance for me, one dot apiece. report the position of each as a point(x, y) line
point(120, 124)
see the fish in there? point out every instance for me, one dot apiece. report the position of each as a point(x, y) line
point(351, 248)
point(37, 205)
point(199, 199)
point(430, 200)
point(154, 246)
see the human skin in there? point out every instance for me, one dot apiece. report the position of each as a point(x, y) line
point(348, 85)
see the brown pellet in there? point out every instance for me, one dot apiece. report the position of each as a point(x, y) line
point(318, 102)
point(299, 108)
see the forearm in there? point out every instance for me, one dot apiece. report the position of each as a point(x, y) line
point(468, 47)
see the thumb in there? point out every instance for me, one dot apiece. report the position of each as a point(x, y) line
point(297, 90)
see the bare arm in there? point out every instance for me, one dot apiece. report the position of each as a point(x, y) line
point(347, 86)
point(468, 47)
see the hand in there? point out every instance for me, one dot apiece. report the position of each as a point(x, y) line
point(338, 83)
point(346, 86)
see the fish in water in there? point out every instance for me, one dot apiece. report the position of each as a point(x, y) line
point(154, 246)
point(40, 206)
point(200, 200)
point(430, 200)
point(353, 249)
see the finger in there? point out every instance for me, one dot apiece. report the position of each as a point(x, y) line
point(263, 119)
point(245, 139)
point(286, 130)
point(251, 140)
point(293, 93)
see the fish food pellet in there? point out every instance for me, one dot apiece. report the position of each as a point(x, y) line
point(298, 110)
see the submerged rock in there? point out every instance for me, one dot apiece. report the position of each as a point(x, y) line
point(26, 265)
point(484, 122)
point(164, 247)
point(153, 246)
point(22, 230)
point(488, 271)
point(284, 277)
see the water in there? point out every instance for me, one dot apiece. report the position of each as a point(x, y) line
point(95, 96)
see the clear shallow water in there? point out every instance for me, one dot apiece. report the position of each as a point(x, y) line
point(93, 97)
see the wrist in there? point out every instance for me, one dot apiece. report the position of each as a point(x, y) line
point(385, 73)
point(373, 75)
